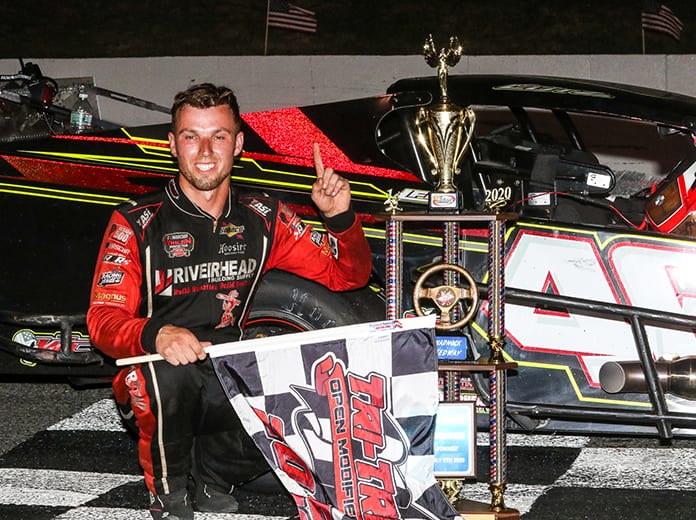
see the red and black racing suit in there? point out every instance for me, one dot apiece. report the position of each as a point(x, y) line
point(164, 261)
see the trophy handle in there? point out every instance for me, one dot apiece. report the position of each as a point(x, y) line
point(428, 141)
point(466, 115)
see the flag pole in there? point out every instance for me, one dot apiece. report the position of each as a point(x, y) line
point(265, 42)
point(642, 33)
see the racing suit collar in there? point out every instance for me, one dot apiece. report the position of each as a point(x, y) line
point(184, 204)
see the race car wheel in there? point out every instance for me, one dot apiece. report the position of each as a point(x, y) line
point(286, 303)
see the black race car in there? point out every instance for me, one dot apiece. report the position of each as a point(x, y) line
point(599, 263)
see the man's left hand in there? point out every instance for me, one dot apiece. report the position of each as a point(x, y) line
point(330, 192)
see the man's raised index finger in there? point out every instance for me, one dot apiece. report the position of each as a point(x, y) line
point(318, 163)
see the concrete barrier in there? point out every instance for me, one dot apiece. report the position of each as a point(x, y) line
point(267, 82)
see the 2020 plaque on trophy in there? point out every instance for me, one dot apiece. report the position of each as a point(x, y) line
point(444, 130)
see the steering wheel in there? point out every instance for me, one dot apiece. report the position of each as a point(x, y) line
point(446, 297)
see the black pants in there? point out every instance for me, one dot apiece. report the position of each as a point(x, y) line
point(186, 426)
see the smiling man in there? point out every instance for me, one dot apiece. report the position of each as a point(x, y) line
point(177, 271)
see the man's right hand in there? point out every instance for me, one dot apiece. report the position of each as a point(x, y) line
point(179, 346)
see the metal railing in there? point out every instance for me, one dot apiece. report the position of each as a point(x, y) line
point(638, 318)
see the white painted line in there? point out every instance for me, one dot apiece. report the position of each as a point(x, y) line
point(56, 488)
point(647, 468)
point(105, 513)
point(100, 416)
point(536, 440)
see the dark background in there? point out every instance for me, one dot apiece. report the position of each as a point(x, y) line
point(104, 28)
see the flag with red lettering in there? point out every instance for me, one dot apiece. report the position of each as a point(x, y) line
point(345, 416)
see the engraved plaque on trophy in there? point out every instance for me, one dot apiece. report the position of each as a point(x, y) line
point(444, 131)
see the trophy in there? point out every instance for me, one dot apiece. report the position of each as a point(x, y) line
point(444, 130)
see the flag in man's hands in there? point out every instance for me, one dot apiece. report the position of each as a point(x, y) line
point(344, 416)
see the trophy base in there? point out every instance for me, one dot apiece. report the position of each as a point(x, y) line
point(444, 202)
point(473, 510)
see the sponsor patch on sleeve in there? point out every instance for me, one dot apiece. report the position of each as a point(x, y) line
point(109, 298)
point(292, 221)
point(333, 244)
point(109, 278)
point(317, 237)
point(120, 233)
point(111, 258)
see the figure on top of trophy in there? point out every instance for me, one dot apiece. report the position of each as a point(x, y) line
point(444, 59)
point(444, 130)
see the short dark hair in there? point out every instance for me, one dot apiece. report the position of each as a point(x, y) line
point(206, 95)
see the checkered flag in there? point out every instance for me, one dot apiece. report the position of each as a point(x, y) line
point(345, 416)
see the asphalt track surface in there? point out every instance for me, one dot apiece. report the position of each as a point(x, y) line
point(64, 455)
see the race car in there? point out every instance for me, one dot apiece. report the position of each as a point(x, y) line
point(599, 289)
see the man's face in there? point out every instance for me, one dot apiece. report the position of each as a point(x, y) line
point(205, 142)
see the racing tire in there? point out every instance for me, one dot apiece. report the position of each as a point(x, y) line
point(286, 303)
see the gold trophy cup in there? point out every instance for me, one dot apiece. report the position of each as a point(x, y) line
point(444, 130)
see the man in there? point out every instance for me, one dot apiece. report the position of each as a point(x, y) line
point(177, 271)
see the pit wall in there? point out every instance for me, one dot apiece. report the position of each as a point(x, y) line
point(267, 82)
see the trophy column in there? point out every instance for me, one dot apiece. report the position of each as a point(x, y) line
point(496, 365)
point(498, 378)
point(443, 131)
point(394, 270)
